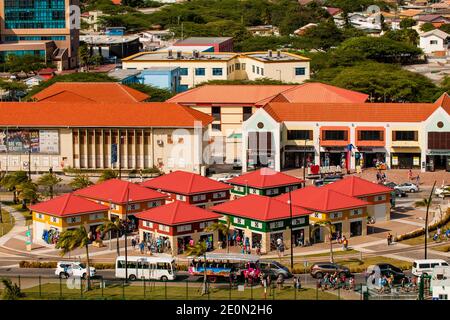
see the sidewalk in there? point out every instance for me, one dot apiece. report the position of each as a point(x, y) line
point(19, 225)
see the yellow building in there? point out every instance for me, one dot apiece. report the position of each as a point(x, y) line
point(62, 213)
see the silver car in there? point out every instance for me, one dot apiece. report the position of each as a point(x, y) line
point(407, 187)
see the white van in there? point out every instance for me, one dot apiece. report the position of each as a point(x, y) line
point(154, 267)
point(426, 266)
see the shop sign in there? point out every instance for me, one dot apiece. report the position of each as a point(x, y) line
point(438, 152)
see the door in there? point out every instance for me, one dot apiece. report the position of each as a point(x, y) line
point(379, 212)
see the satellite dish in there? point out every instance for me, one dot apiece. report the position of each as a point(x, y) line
point(373, 9)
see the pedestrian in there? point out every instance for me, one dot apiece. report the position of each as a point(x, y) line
point(142, 246)
point(410, 175)
point(264, 285)
point(280, 281)
point(297, 283)
point(378, 176)
point(417, 180)
point(133, 243)
point(389, 238)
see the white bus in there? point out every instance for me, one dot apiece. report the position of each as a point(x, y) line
point(157, 268)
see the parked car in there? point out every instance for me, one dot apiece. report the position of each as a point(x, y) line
point(274, 269)
point(426, 266)
point(400, 193)
point(66, 269)
point(319, 269)
point(227, 177)
point(327, 180)
point(387, 270)
point(443, 191)
point(407, 187)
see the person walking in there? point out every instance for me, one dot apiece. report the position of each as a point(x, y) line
point(389, 239)
point(142, 246)
point(133, 243)
point(410, 175)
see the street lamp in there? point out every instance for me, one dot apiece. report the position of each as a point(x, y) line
point(304, 163)
point(126, 231)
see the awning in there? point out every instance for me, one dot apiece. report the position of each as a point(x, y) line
point(298, 148)
point(235, 136)
point(290, 126)
point(438, 152)
point(405, 150)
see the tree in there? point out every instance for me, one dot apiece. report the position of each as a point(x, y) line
point(327, 225)
point(13, 87)
point(156, 94)
point(73, 239)
point(115, 226)
point(223, 228)
point(426, 202)
point(84, 54)
point(12, 180)
point(80, 181)
point(27, 192)
point(26, 63)
point(427, 26)
point(199, 250)
point(107, 175)
point(407, 23)
point(409, 36)
point(325, 35)
point(445, 28)
point(49, 181)
point(11, 291)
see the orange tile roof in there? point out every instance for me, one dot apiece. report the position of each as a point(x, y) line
point(177, 212)
point(265, 178)
point(322, 199)
point(68, 205)
point(348, 112)
point(151, 114)
point(119, 192)
point(107, 92)
point(258, 207)
point(444, 102)
point(320, 92)
point(229, 94)
point(357, 187)
point(186, 183)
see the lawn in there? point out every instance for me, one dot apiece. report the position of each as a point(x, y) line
point(8, 223)
point(171, 291)
point(421, 239)
point(443, 248)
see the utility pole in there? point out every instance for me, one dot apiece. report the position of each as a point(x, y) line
point(126, 231)
point(290, 227)
point(426, 219)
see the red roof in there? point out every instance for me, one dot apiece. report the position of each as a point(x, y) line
point(261, 208)
point(68, 205)
point(322, 199)
point(351, 112)
point(259, 95)
point(444, 102)
point(107, 92)
point(186, 183)
point(177, 212)
point(265, 178)
point(320, 92)
point(230, 94)
point(50, 114)
point(357, 187)
point(116, 191)
point(333, 11)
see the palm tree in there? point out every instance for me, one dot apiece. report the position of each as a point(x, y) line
point(27, 192)
point(73, 239)
point(11, 290)
point(12, 180)
point(107, 175)
point(426, 202)
point(115, 226)
point(223, 228)
point(331, 229)
point(49, 181)
point(199, 250)
point(80, 181)
point(84, 54)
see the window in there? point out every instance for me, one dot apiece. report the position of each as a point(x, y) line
point(54, 219)
point(206, 224)
point(96, 216)
point(246, 113)
point(270, 192)
point(215, 112)
point(277, 224)
point(381, 198)
point(299, 134)
point(370, 135)
point(256, 224)
point(243, 66)
point(218, 195)
point(253, 68)
point(439, 140)
point(300, 71)
point(152, 204)
point(183, 71)
point(216, 126)
point(184, 228)
point(356, 212)
point(238, 188)
point(433, 42)
point(239, 221)
point(405, 136)
point(180, 197)
point(217, 71)
point(253, 191)
point(75, 220)
point(200, 197)
point(298, 221)
point(237, 66)
point(134, 206)
point(163, 228)
point(335, 215)
point(199, 71)
point(262, 71)
point(40, 216)
point(257, 70)
point(148, 224)
point(291, 188)
point(339, 135)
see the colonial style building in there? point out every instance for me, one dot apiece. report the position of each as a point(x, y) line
point(116, 194)
point(264, 220)
point(351, 135)
point(264, 182)
point(179, 223)
point(348, 215)
point(190, 188)
point(62, 213)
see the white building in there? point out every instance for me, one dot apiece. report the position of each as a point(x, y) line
point(435, 42)
point(440, 283)
point(198, 67)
